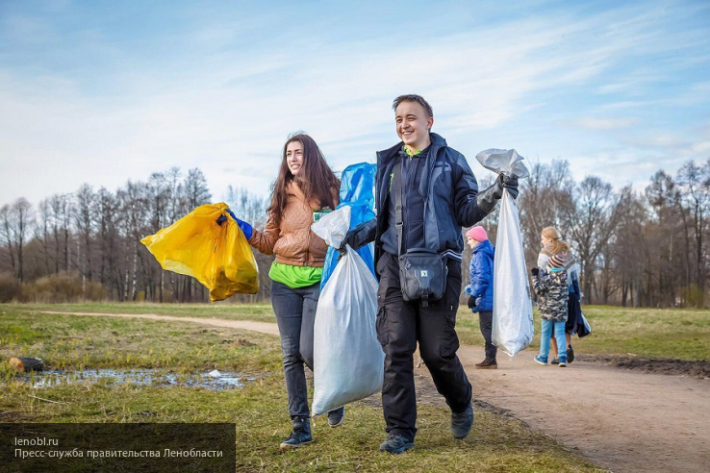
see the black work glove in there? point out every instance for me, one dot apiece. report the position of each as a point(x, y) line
point(341, 251)
point(535, 271)
point(506, 182)
point(471, 302)
point(350, 238)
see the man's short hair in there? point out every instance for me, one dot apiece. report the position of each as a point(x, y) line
point(413, 98)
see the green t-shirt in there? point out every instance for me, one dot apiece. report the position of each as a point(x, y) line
point(295, 276)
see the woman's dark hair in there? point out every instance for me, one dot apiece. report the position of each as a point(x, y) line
point(317, 180)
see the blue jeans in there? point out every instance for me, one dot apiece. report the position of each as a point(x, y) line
point(547, 328)
point(295, 311)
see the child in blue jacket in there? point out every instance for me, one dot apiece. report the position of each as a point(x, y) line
point(481, 289)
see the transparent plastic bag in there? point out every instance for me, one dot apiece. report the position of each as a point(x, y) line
point(348, 360)
point(513, 326)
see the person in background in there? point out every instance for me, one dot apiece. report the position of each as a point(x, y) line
point(305, 187)
point(552, 245)
point(552, 299)
point(481, 289)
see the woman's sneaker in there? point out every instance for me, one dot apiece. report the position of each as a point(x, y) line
point(396, 444)
point(300, 435)
point(335, 417)
point(555, 361)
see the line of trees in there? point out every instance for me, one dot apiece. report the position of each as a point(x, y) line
point(645, 249)
point(87, 244)
point(634, 249)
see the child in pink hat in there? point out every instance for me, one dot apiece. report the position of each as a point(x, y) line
point(481, 289)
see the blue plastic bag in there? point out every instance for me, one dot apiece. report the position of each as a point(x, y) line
point(356, 191)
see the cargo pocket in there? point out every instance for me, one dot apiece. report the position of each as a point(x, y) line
point(450, 340)
point(381, 326)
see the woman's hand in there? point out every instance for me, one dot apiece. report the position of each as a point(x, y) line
point(245, 227)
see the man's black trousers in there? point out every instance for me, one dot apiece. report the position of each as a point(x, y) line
point(400, 325)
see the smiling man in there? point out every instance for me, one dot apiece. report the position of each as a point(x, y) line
point(425, 194)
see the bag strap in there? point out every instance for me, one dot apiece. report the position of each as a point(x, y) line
point(397, 191)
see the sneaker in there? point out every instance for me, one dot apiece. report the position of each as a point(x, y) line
point(562, 364)
point(487, 365)
point(461, 423)
point(554, 361)
point(396, 444)
point(335, 418)
point(570, 354)
point(300, 435)
point(540, 360)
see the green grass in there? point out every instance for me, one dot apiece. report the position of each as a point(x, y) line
point(496, 444)
point(261, 311)
point(682, 334)
point(75, 343)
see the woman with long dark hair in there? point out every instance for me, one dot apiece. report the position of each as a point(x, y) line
point(304, 189)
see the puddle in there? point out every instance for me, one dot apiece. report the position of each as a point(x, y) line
point(213, 380)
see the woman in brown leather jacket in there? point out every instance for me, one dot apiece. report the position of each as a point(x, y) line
point(304, 189)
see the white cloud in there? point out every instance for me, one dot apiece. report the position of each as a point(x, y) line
point(228, 112)
point(605, 123)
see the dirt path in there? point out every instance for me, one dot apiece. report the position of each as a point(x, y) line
point(622, 420)
point(263, 327)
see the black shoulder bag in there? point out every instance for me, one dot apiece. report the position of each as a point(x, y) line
point(422, 272)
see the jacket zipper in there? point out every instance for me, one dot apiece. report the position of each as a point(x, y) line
point(308, 241)
point(405, 243)
point(305, 261)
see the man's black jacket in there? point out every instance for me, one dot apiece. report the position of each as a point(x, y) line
point(451, 200)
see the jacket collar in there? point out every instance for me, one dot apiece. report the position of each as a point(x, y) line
point(484, 246)
point(386, 155)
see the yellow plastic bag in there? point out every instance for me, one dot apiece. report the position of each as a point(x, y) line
point(218, 256)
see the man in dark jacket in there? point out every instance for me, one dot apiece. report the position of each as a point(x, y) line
point(439, 195)
point(481, 289)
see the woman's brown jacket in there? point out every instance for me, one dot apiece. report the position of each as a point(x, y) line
point(292, 240)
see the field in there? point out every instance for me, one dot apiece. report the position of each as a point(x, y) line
point(679, 334)
point(74, 343)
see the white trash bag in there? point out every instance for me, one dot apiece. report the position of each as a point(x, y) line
point(513, 326)
point(348, 360)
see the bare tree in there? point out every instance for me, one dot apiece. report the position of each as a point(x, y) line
point(693, 204)
point(6, 226)
point(545, 199)
point(45, 218)
point(592, 222)
point(106, 216)
point(84, 221)
point(665, 268)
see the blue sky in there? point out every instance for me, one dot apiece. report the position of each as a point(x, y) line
point(101, 92)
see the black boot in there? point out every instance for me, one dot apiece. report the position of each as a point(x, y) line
point(301, 434)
